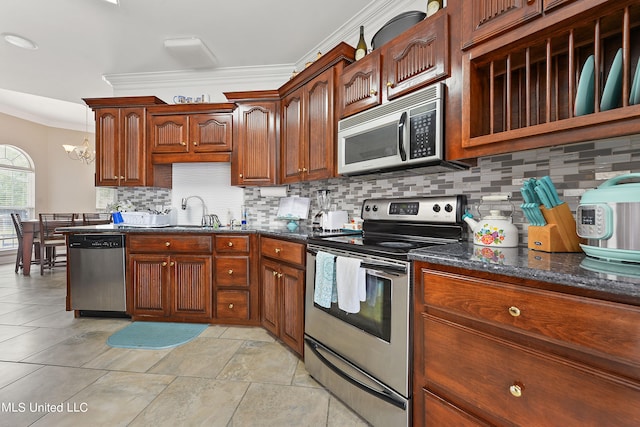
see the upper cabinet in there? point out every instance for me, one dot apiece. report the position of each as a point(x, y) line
point(413, 59)
point(121, 156)
point(191, 133)
point(568, 76)
point(255, 149)
point(309, 118)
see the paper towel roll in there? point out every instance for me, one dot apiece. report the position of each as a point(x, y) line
point(273, 191)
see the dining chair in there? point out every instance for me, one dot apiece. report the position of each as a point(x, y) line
point(51, 241)
point(95, 218)
point(17, 223)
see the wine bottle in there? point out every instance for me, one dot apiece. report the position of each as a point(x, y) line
point(361, 47)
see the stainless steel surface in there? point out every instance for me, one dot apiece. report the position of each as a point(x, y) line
point(97, 272)
point(610, 225)
point(386, 361)
point(444, 209)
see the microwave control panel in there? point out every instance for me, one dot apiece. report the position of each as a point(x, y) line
point(423, 128)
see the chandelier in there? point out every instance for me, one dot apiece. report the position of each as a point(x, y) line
point(83, 151)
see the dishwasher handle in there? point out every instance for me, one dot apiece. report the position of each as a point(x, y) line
point(96, 241)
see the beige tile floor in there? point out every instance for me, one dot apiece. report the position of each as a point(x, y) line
point(56, 370)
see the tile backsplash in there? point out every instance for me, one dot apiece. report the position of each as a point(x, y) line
point(573, 168)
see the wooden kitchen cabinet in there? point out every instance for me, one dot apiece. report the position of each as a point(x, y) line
point(282, 271)
point(521, 87)
point(538, 356)
point(309, 118)
point(254, 160)
point(412, 60)
point(236, 284)
point(191, 133)
point(121, 155)
point(169, 277)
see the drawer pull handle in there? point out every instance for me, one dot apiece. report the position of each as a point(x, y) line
point(278, 250)
point(514, 311)
point(515, 390)
point(167, 244)
point(230, 271)
point(230, 305)
point(230, 244)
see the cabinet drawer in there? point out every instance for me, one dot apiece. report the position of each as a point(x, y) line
point(232, 243)
point(283, 250)
point(510, 382)
point(610, 329)
point(439, 412)
point(232, 271)
point(170, 243)
point(232, 304)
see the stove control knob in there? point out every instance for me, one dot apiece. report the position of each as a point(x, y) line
point(367, 208)
point(436, 208)
point(375, 208)
point(448, 207)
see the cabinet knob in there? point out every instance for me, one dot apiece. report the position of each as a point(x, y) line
point(299, 170)
point(275, 273)
point(304, 169)
point(183, 143)
point(167, 244)
point(530, 2)
point(164, 263)
point(515, 390)
point(122, 177)
point(230, 271)
point(115, 177)
point(279, 275)
point(389, 84)
point(514, 311)
point(171, 264)
point(241, 176)
point(278, 250)
point(230, 305)
point(195, 143)
point(373, 92)
point(230, 244)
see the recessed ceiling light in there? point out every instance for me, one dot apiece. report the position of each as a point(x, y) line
point(19, 41)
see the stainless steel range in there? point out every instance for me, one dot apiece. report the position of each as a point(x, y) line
point(358, 299)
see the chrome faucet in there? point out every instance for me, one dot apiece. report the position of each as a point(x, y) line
point(203, 221)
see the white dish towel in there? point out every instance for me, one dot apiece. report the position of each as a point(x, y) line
point(350, 283)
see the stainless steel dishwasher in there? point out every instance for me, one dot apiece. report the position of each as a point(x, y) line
point(97, 273)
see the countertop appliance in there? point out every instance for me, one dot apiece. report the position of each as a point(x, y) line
point(608, 218)
point(334, 220)
point(96, 265)
point(364, 357)
point(406, 132)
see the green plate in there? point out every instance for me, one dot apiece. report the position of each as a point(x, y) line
point(611, 96)
point(584, 95)
point(634, 98)
point(611, 254)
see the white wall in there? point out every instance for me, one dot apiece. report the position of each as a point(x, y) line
point(62, 184)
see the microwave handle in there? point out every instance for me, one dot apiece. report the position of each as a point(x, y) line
point(401, 124)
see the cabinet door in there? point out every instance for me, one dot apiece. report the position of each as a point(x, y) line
point(169, 134)
point(293, 135)
point(269, 293)
point(210, 132)
point(149, 278)
point(292, 303)
point(319, 132)
point(107, 147)
point(255, 154)
point(359, 86)
point(484, 19)
point(191, 287)
point(418, 57)
point(132, 147)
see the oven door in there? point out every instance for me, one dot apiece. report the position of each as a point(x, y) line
point(376, 339)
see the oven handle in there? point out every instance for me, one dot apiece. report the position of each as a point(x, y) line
point(389, 269)
point(401, 125)
point(381, 394)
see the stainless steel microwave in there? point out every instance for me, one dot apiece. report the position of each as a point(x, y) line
point(403, 133)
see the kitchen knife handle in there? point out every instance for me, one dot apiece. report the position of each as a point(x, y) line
point(542, 194)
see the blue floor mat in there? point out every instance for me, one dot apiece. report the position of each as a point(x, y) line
point(155, 335)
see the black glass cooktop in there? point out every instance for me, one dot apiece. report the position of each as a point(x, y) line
point(384, 246)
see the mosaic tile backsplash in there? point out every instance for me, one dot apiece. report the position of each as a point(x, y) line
point(573, 169)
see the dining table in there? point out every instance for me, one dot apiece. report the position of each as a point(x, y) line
point(30, 230)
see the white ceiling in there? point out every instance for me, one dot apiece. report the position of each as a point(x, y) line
point(80, 41)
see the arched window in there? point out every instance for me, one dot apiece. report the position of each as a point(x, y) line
point(17, 191)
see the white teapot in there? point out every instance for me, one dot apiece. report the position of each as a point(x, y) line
point(494, 229)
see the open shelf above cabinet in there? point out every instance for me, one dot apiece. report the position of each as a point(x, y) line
point(535, 91)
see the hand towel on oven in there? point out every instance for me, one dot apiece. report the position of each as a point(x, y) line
point(350, 283)
point(325, 286)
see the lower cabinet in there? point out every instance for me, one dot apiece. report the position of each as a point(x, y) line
point(489, 350)
point(282, 273)
point(170, 277)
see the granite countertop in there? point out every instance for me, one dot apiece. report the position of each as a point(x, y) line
point(620, 281)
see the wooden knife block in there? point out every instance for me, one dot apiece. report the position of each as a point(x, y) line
point(559, 235)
